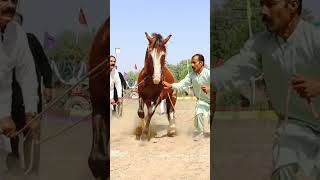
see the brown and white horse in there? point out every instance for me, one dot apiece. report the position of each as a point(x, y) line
point(99, 161)
point(150, 88)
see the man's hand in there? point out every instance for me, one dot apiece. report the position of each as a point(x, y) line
point(166, 85)
point(119, 100)
point(306, 88)
point(48, 94)
point(7, 126)
point(35, 122)
point(113, 102)
point(205, 89)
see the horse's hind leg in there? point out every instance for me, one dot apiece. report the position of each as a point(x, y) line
point(141, 116)
point(171, 101)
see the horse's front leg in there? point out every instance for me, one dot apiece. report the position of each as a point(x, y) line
point(171, 101)
point(141, 108)
point(151, 109)
point(141, 116)
point(99, 161)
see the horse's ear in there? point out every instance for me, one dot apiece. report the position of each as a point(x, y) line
point(167, 39)
point(148, 37)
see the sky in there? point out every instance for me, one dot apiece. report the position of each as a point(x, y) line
point(56, 16)
point(188, 21)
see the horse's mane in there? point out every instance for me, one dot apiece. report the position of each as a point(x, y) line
point(158, 43)
point(159, 46)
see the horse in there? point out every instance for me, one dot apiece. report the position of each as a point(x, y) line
point(150, 89)
point(98, 160)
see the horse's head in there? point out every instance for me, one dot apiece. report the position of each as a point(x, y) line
point(155, 56)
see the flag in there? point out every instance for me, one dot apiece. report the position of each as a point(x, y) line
point(135, 66)
point(82, 18)
point(49, 41)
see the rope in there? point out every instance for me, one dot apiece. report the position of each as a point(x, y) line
point(309, 101)
point(175, 110)
point(62, 131)
point(286, 117)
point(59, 98)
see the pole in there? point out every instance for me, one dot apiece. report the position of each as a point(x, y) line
point(249, 14)
point(188, 73)
point(77, 36)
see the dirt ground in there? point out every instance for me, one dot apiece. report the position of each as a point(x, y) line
point(64, 157)
point(241, 149)
point(165, 158)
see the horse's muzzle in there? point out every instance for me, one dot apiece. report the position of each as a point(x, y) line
point(156, 80)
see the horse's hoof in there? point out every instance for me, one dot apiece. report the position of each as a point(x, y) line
point(141, 114)
point(172, 132)
point(138, 132)
point(144, 136)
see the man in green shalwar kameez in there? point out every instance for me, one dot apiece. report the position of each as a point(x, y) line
point(199, 79)
point(289, 56)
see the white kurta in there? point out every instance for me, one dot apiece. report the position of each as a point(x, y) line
point(115, 80)
point(279, 60)
point(15, 53)
point(197, 80)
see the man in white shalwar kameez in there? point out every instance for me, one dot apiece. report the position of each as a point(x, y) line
point(14, 53)
point(199, 79)
point(289, 56)
point(115, 83)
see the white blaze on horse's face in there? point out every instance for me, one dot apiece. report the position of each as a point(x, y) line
point(156, 58)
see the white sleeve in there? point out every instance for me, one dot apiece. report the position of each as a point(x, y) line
point(117, 82)
point(183, 84)
point(26, 74)
point(238, 70)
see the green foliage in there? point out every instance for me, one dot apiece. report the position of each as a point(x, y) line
point(180, 70)
point(228, 100)
point(66, 48)
point(132, 77)
point(230, 29)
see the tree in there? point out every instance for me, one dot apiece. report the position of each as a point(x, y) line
point(230, 30)
point(66, 48)
point(180, 70)
point(230, 27)
point(132, 77)
point(67, 54)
